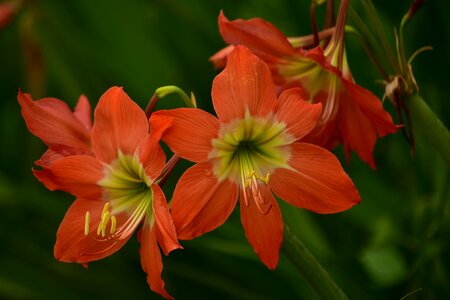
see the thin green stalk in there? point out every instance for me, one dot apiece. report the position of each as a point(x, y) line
point(312, 271)
point(429, 124)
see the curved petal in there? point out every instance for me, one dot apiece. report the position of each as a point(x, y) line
point(361, 119)
point(264, 231)
point(151, 260)
point(300, 117)
point(191, 133)
point(72, 245)
point(316, 181)
point(150, 152)
point(83, 112)
point(159, 124)
point(356, 132)
point(244, 85)
point(54, 123)
point(260, 36)
point(77, 175)
point(152, 157)
point(219, 59)
point(371, 106)
point(120, 124)
point(325, 135)
point(200, 202)
point(48, 158)
point(165, 230)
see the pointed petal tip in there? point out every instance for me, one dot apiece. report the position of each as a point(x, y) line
point(245, 84)
point(45, 177)
point(23, 97)
point(222, 18)
point(263, 231)
point(271, 265)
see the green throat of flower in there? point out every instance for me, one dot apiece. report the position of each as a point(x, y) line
point(247, 151)
point(127, 192)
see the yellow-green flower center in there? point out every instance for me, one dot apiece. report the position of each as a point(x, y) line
point(321, 85)
point(126, 190)
point(248, 150)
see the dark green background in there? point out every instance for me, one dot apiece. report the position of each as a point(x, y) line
point(395, 242)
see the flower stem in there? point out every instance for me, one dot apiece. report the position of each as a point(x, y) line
point(429, 124)
point(312, 271)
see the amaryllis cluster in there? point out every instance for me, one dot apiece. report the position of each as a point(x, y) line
point(351, 115)
point(264, 143)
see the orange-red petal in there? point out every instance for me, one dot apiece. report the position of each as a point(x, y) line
point(120, 124)
point(200, 202)
point(72, 245)
point(356, 132)
point(152, 157)
point(54, 123)
point(191, 133)
point(263, 231)
point(165, 229)
point(77, 175)
point(300, 117)
point(83, 112)
point(48, 158)
point(361, 119)
point(370, 105)
point(219, 59)
point(260, 36)
point(316, 181)
point(151, 260)
point(150, 152)
point(244, 85)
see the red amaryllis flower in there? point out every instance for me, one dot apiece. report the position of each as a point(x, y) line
point(351, 114)
point(63, 131)
point(116, 190)
point(252, 149)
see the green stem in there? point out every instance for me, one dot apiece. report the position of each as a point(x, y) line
point(312, 271)
point(429, 124)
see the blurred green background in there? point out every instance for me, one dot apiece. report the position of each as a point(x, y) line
point(395, 242)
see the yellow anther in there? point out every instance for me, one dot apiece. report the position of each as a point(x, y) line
point(112, 230)
point(105, 208)
point(251, 174)
point(104, 222)
point(99, 228)
point(87, 223)
point(255, 175)
point(265, 179)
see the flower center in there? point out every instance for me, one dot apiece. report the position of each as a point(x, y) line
point(127, 192)
point(247, 151)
